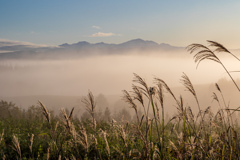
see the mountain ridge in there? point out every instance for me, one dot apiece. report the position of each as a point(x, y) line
point(137, 41)
point(81, 49)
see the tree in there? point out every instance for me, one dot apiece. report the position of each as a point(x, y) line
point(123, 115)
point(101, 101)
point(99, 115)
point(107, 115)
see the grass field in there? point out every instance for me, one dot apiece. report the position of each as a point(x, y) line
point(37, 133)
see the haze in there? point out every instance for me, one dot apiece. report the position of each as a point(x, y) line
point(107, 74)
point(98, 45)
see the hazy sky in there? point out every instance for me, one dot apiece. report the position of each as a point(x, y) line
point(177, 22)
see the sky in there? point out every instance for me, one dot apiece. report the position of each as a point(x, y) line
point(176, 22)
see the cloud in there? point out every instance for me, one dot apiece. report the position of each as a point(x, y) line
point(101, 34)
point(34, 33)
point(7, 42)
point(96, 27)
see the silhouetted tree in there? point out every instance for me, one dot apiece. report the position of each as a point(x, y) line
point(107, 115)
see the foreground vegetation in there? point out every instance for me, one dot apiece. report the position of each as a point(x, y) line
point(39, 134)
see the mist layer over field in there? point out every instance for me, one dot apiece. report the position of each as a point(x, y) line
point(100, 74)
point(110, 74)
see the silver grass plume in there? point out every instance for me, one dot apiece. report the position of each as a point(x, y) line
point(104, 135)
point(160, 93)
point(129, 100)
point(45, 111)
point(220, 48)
point(48, 153)
point(1, 138)
point(164, 84)
point(144, 88)
point(137, 94)
point(215, 97)
point(90, 105)
point(188, 85)
point(83, 138)
point(31, 142)
point(218, 88)
point(203, 53)
point(66, 120)
point(16, 146)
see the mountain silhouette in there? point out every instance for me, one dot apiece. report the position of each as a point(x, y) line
point(81, 49)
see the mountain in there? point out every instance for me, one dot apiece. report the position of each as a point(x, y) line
point(19, 50)
point(139, 43)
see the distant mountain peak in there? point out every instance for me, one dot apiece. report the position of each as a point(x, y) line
point(83, 48)
point(139, 43)
point(139, 40)
point(64, 45)
point(81, 43)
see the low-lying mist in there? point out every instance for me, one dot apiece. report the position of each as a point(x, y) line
point(108, 74)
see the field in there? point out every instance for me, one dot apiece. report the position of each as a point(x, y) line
point(38, 133)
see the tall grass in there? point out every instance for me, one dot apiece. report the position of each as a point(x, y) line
point(204, 135)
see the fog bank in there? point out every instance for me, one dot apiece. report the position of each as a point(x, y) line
point(107, 74)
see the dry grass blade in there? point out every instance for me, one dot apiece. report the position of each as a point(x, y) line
point(67, 121)
point(207, 110)
point(142, 82)
point(71, 114)
point(137, 93)
point(2, 136)
point(164, 84)
point(90, 103)
point(104, 134)
point(190, 113)
point(90, 106)
point(218, 88)
point(203, 53)
point(188, 84)
point(160, 93)
point(181, 104)
point(31, 142)
point(129, 100)
point(221, 48)
point(56, 126)
point(215, 97)
point(45, 111)
point(48, 153)
point(84, 138)
point(195, 46)
point(16, 146)
point(175, 148)
point(233, 71)
point(141, 121)
point(234, 110)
